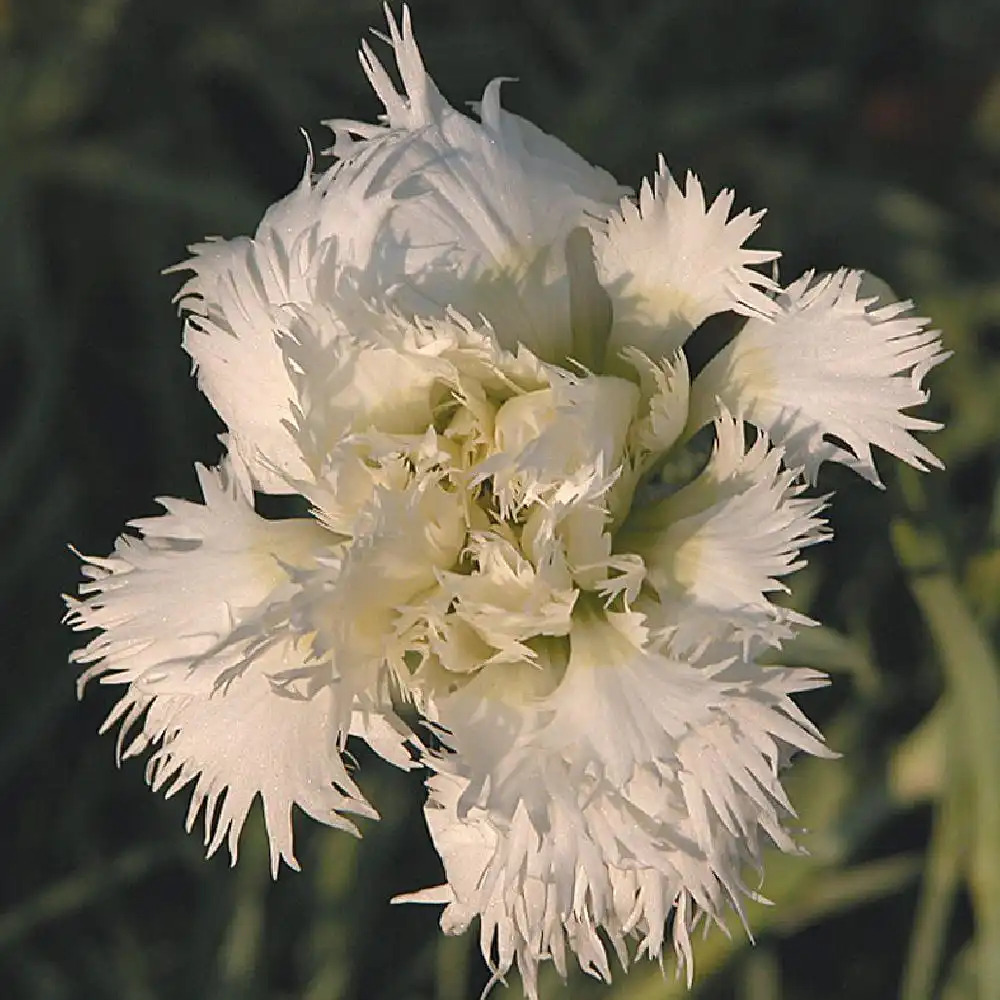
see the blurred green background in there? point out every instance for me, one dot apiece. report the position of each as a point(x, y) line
point(871, 131)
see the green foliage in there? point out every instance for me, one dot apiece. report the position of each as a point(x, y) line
point(871, 131)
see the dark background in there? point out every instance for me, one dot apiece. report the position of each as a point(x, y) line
point(128, 129)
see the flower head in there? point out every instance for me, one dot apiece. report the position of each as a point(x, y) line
point(464, 346)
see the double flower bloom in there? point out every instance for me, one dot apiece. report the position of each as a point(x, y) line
point(464, 346)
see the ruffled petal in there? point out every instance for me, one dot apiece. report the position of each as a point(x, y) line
point(504, 602)
point(436, 211)
point(561, 444)
point(250, 737)
point(832, 364)
point(665, 390)
point(669, 261)
point(717, 547)
point(359, 604)
point(636, 787)
point(236, 304)
point(186, 624)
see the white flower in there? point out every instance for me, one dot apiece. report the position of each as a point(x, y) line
point(465, 349)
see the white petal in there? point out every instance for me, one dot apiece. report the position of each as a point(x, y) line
point(357, 604)
point(584, 534)
point(236, 305)
point(383, 386)
point(436, 210)
point(184, 616)
point(620, 706)
point(561, 444)
point(177, 591)
point(669, 262)
point(249, 738)
point(505, 601)
point(714, 549)
point(637, 786)
point(344, 386)
point(665, 390)
point(829, 364)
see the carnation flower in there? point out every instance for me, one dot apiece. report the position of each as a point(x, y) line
point(464, 346)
